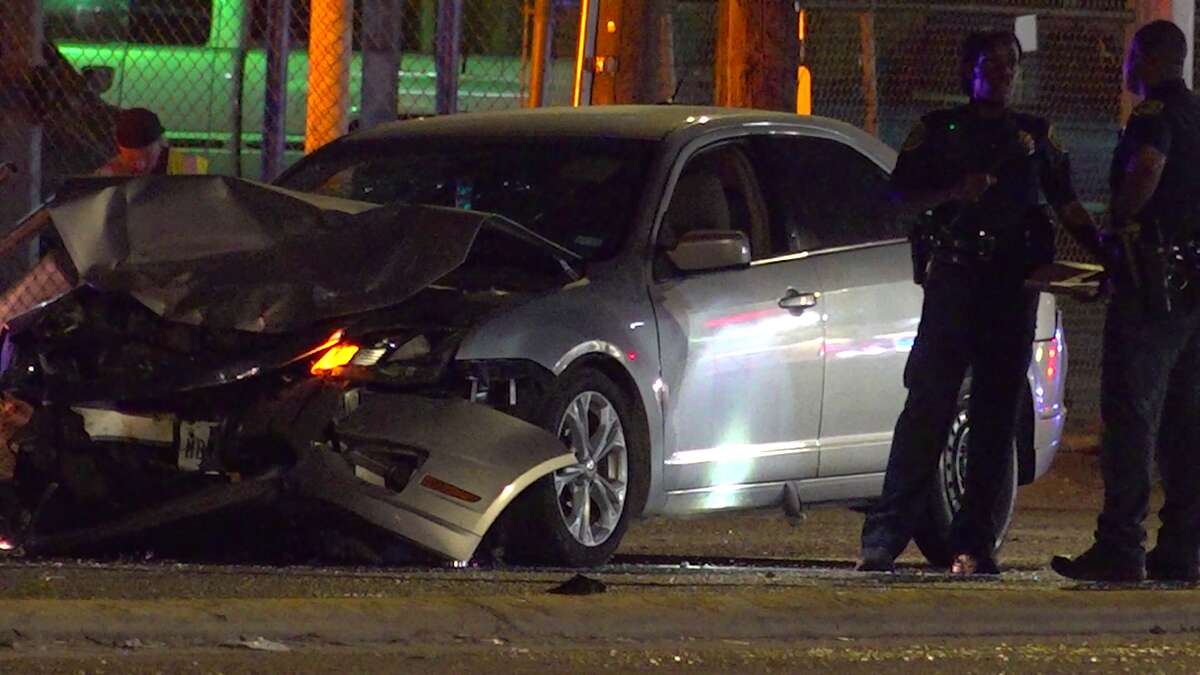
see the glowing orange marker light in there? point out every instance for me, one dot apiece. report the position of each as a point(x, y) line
point(447, 489)
point(337, 357)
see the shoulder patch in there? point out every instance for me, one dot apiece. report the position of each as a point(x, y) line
point(1148, 107)
point(1053, 138)
point(916, 137)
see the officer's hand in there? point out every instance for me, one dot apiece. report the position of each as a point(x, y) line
point(972, 186)
point(1111, 249)
point(1105, 291)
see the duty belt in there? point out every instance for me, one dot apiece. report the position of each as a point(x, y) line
point(960, 248)
point(1187, 256)
point(1164, 273)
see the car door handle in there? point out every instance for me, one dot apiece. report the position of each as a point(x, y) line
point(796, 301)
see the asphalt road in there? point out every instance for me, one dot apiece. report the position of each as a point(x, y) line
point(729, 593)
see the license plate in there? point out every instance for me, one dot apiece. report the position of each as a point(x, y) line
point(194, 439)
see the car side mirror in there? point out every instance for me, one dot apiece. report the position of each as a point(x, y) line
point(99, 78)
point(703, 250)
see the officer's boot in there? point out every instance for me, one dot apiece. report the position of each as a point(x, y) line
point(1163, 564)
point(1100, 563)
point(875, 559)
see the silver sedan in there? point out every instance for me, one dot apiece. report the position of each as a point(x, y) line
point(737, 327)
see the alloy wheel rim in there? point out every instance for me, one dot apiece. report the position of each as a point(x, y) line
point(954, 474)
point(591, 493)
point(954, 460)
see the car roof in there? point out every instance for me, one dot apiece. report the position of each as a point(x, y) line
point(635, 122)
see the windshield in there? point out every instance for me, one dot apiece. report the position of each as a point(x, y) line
point(578, 193)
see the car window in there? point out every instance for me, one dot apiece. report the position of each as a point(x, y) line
point(580, 193)
point(823, 193)
point(718, 189)
point(162, 22)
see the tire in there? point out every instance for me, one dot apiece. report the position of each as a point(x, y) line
point(933, 537)
point(553, 526)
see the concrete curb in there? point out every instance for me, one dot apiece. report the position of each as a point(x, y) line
point(644, 615)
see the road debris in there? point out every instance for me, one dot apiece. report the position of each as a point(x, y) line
point(260, 644)
point(580, 585)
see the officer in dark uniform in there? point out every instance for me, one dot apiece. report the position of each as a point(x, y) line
point(1150, 385)
point(978, 168)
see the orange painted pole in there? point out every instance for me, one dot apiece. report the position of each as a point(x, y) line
point(803, 91)
point(729, 78)
point(870, 77)
point(329, 55)
point(539, 61)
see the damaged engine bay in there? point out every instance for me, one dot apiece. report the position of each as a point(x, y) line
point(276, 359)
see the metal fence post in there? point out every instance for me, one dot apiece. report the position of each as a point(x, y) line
point(1183, 12)
point(275, 104)
point(382, 22)
point(585, 60)
point(543, 29)
point(237, 107)
point(449, 54)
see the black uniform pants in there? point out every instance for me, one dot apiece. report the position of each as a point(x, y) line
point(1150, 401)
point(977, 317)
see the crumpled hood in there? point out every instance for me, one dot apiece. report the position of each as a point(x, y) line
point(229, 253)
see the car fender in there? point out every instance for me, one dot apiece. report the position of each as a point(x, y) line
point(608, 316)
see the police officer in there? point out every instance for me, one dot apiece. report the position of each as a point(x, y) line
point(143, 150)
point(1150, 382)
point(978, 169)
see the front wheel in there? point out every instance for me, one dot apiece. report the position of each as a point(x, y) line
point(577, 516)
point(933, 537)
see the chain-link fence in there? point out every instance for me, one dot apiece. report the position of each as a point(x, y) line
point(1073, 78)
point(202, 66)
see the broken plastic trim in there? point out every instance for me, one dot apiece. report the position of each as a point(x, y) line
point(203, 501)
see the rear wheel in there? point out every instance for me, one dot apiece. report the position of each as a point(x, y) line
point(933, 537)
point(578, 515)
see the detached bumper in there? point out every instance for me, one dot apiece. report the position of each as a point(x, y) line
point(436, 472)
point(476, 461)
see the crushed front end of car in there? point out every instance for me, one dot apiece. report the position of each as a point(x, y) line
point(224, 344)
